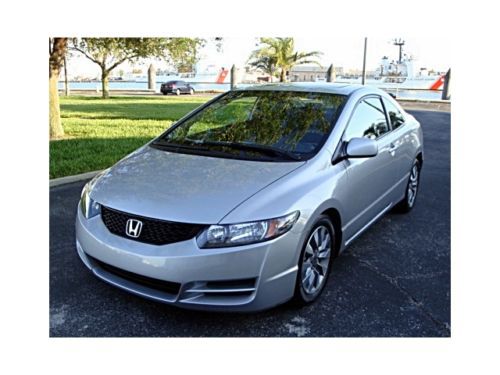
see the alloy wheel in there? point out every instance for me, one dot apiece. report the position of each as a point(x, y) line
point(413, 185)
point(316, 260)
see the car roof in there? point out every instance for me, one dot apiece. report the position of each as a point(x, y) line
point(323, 87)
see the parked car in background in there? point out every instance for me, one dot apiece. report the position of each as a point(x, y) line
point(177, 87)
point(244, 203)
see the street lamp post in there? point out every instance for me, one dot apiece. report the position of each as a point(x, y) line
point(363, 78)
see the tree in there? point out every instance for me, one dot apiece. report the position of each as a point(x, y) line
point(57, 52)
point(266, 64)
point(183, 53)
point(282, 50)
point(109, 53)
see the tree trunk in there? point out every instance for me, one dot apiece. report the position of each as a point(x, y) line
point(55, 126)
point(66, 86)
point(283, 75)
point(57, 51)
point(105, 83)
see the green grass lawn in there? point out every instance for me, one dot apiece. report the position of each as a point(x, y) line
point(101, 132)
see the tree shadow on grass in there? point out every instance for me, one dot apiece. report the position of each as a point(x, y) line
point(147, 110)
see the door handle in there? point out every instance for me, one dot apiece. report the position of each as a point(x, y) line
point(392, 149)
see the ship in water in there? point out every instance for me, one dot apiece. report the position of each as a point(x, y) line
point(204, 72)
point(400, 74)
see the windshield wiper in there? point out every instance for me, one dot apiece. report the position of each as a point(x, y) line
point(269, 150)
point(189, 146)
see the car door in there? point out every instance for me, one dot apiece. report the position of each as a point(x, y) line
point(403, 149)
point(369, 179)
point(184, 87)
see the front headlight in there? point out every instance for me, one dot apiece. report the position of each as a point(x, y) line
point(246, 233)
point(90, 207)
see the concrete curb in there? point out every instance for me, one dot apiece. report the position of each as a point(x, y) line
point(426, 106)
point(69, 179)
point(416, 100)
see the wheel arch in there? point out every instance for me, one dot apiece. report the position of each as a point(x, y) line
point(420, 158)
point(336, 220)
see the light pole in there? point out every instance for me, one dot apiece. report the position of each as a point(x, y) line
point(363, 78)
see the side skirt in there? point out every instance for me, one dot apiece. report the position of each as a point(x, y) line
point(367, 225)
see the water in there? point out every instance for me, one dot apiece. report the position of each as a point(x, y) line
point(128, 85)
point(415, 94)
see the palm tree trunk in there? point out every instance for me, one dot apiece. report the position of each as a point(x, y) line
point(55, 126)
point(283, 75)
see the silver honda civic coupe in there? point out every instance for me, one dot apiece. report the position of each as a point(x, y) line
point(244, 203)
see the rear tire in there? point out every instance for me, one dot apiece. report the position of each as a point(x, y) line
point(177, 92)
point(412, 187)
point(191, 91)
point(315, 261)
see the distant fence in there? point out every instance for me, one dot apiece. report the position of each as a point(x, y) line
point(209, 87)
point(135, 87)
point(414, 93)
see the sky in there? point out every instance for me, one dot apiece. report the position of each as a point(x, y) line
point(341, 51)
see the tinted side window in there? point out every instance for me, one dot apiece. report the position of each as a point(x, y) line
point(368, 120)
point(395, 116)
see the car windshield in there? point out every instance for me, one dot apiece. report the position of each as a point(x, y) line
point(259, 124)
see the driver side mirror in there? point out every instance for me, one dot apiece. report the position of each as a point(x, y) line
point(361, 148)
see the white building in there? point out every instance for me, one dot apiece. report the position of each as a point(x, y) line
point(311, 73)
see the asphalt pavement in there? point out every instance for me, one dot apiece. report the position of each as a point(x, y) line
point(394, 280)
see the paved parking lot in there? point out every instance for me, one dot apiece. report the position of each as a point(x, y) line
point(392, 281)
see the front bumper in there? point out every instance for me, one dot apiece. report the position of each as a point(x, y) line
point(244, 278)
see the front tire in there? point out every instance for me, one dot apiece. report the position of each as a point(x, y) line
point(315, 261)
point(177, 92)
point(191, 91)
point(408, 201)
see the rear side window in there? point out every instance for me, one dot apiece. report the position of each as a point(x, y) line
point(395, 116)
point(367, 121)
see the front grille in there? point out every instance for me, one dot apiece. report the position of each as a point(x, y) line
point(161, 285)
point(154, 231)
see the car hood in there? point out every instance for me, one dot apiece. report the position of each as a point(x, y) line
point(183, 187)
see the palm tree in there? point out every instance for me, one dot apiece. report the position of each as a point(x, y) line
point(267, 64)
point(282, 52)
